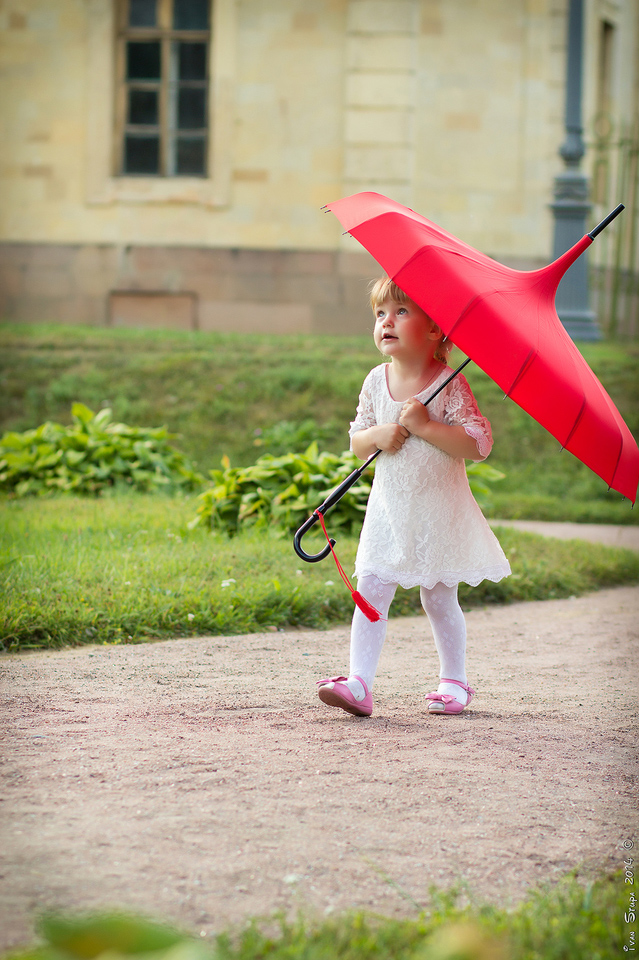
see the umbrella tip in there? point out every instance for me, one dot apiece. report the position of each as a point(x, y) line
point(604, 223)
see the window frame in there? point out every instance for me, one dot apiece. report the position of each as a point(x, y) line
point(166, 35)
point(104, 183)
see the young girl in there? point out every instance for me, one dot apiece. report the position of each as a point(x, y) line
point(422, 526)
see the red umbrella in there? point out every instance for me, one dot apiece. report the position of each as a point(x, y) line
point(506, 321)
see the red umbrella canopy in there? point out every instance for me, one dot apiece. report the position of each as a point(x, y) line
point(506, 321)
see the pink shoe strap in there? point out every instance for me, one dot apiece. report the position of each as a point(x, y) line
point(464, 686)
point(342, 680)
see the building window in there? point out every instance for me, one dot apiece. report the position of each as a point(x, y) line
point(163, 56)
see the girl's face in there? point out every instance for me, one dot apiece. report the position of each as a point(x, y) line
point(404, 330)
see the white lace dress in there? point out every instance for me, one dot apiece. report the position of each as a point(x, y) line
point(423, 525)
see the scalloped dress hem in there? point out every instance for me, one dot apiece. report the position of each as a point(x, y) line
point(449, 578)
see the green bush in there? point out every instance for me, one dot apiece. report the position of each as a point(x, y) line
point(284, 491)
point(229, 393)
point(90, 455)
point(287, 436)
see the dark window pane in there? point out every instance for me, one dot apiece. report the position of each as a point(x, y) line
point(192, 61)
point(141, 154)
point(142, 13)
point(143, 106)
point(190, 14)
point(191, 108)
point(143, 61)
point(190, 156)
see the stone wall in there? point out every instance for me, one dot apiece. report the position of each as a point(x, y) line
point(270, 291)
point(452, 108)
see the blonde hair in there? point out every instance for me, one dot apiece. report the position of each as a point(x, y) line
point(386, 289)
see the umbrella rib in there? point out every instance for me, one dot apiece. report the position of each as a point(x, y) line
point(564, 445)
point(471, 303)
point(529, 359)
point(617, 463)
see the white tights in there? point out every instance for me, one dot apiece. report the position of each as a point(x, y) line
point(446, 619)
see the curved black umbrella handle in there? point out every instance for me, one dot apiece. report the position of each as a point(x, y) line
point(330, 501)
point(297, 542)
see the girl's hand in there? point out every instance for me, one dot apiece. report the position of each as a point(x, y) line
point(451, 438)
point(414, 416)
point(390, 437)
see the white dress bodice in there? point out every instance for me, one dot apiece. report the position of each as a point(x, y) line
point(423, 525)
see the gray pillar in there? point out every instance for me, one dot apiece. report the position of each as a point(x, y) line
point(570, 205)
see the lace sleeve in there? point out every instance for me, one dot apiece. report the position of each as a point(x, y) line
point(365, 416)
point(460, 408)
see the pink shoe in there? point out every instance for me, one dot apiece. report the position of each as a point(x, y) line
point(335, 693)
point(444, 703)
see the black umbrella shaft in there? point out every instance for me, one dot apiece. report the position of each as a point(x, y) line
point(352, 478)
point(447, 380)
point(345, 485)
point(604, 223)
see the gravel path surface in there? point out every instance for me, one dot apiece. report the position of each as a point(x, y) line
point(202, 781)
point(610, 534)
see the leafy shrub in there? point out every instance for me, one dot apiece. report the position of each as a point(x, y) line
point(288, 436)
point(284, 491)
point(90, 455)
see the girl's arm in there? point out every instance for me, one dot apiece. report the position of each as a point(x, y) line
point(389, 437)
point(452, 439)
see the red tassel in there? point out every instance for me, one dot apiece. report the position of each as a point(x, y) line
point(367, 608)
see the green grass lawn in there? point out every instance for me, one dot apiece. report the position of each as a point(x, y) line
point(240, 396)
point(126, 568)
point(571, 920)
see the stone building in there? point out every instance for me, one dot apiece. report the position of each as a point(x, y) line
point(164, 162)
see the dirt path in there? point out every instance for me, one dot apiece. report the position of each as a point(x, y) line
point(202, 781)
